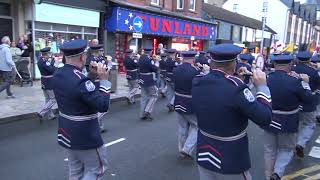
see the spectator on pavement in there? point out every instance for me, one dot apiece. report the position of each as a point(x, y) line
point(15, 52)
point(93, 42)
point(6, 66)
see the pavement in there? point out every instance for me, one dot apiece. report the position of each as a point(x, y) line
point(29, 99)
point(137, 150)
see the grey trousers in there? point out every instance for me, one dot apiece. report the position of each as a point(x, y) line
point(149, 97)
point(87, 164)
point(163, 86)
point(206, 174)
point(187, 136)
point(50, 101)
point(100, 120)
point(133, 90)
point(278, 152)
point(7, 79)
point(307, 127)
point(170, 93)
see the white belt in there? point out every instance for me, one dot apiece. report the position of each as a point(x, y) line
point(169, 73)
point(47, 76)
point(163, 70)
point(183, 95)
point(230, 138)
point(286, 112)
point(150, 73)
point(133, 70)
point(79, 118)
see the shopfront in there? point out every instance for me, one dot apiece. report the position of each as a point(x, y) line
point(136, 29)
point(55, 24)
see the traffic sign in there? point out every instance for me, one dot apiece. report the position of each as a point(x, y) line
point(137, 24)
point(137, 35)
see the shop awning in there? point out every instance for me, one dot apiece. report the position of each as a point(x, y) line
point(218, 13)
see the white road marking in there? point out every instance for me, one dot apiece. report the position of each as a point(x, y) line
point(107, 145)
point(318, 140)
point(114, 142)
point(315, 152)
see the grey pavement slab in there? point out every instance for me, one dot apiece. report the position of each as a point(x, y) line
point(30, 99)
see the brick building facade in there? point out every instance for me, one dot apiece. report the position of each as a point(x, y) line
point(173, 23)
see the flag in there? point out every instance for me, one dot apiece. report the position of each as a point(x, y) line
point(289, 48)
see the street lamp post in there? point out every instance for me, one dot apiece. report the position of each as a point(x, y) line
point(264, 18)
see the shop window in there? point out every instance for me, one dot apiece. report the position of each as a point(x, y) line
point(43, 26)
point(74, 28)
point(192, 5)
point(180, 4)
point(89, 37)
point(155, 2)
point(59, 27)
point(5, 9)
point(91, 30)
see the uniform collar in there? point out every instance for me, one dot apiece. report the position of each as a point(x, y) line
point(72, 66)
point(220, 71)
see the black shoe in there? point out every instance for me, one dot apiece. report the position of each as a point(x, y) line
point(148, 116)
point(185, 156)
point(144, 116)
point(130, 102)
point(162, 95)
point(40, 118)
point(103, 130)
point(275, 176)
point(299, 151)
point(318, 119)
point(170, 107)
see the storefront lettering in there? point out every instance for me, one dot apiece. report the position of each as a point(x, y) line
point(187, 29)
point(154, 24)
point(205, 31)
point(176, 28)
point(159, 25)
point(167, 26)
point(196, 30)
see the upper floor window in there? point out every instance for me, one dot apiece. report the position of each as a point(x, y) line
point(192, 5)
point(180, 4)
point(155, 2)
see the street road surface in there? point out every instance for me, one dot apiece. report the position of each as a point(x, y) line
point(137, 150)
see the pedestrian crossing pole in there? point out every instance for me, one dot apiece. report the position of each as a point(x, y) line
point(264, 18)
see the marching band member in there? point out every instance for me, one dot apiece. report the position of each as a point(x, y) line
point(79, 101)
point(307, 116)
point(47, 69)
point(131, 64)
point(171, 63)
point(223, 104)
point(182, 77)
point(288, 91)
point(149, 92)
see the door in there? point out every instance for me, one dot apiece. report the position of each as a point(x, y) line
point(6, 28)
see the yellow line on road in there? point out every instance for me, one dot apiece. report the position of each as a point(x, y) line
point(302, 172)
point(315, 177)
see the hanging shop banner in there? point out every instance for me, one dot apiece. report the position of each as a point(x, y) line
point(125, 20)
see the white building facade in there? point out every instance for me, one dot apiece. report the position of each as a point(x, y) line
point(293, 22)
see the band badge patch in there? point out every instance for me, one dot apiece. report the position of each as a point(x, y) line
point(248, 95)
point(48, 63)
point(90, 86)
